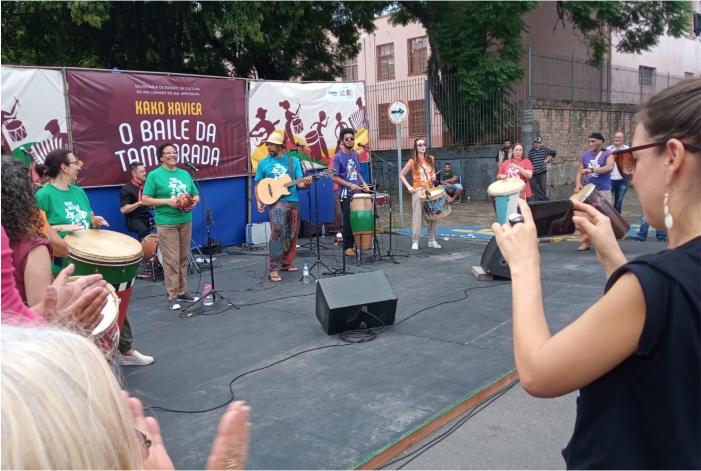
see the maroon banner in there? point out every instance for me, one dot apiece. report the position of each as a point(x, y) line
point(119, 118)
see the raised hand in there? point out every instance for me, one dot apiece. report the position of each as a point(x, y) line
point(155, 455)
point(230, 446)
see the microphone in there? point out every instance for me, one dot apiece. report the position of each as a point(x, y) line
point(362, 145)
point(189, 165)
point(25, 152)
point(299, 144)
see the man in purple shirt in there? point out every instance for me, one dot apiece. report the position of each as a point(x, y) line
point(595, 166)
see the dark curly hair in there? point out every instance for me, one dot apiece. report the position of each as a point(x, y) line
point(20, 213)
point(52, 164)
point(162, 147)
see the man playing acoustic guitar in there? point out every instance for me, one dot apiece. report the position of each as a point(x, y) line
point(284, 213)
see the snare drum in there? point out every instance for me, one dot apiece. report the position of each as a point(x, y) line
point(590, 195)
point(362, 220)
point(116, 256)
point(434, 202)
point(382, 199)
point(106, 333)
point(152, 252)
point(505, 195)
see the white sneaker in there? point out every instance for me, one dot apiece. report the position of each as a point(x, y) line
point(414, 246)
point(135, 359)
point(432, 244)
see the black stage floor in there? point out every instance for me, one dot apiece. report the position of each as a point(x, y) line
point(333, 408)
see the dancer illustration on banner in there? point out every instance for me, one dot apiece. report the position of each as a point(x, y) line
point(263, 128)
point(293, 123)
point(322, 142)
point(340, 125)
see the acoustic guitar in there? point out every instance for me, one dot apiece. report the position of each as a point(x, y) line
point(269, 190)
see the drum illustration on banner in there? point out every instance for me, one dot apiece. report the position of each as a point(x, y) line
point(33, 114)
point(304, 112)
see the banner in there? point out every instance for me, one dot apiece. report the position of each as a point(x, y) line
point(120, 118)
point(33, 113)
point(311, 114)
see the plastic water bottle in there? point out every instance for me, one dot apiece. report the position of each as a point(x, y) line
point(305, 272)
point(468, 198)
point(323, 231)
point(207, 295)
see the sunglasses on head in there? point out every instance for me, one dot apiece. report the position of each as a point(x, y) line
point(626, 162)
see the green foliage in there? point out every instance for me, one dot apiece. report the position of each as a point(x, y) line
point(274, 40)
point(635, 25)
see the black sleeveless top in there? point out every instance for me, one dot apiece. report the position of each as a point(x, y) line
point(646, 412)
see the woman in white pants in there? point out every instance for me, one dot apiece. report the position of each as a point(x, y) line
point(423, 173)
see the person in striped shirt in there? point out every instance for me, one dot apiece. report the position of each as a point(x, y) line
point(539, 156)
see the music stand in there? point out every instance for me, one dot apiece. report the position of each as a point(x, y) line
point(209, 222)
point(315, 178)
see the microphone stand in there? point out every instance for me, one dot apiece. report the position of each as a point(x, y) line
point(209, 222)
point(390, 255)
point(315, 178)
point(309, 244)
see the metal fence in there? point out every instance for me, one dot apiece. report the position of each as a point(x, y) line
point(437, 111)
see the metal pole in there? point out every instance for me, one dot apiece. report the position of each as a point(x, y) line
point(572, 80)
point(400, 190)
point(530, 71)
point(427, 99)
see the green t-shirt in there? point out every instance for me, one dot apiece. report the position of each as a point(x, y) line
point(162, 183)
point(442, 176)
point(64, 207)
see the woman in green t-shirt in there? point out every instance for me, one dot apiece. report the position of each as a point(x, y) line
point(66, 205)
point(172, 193)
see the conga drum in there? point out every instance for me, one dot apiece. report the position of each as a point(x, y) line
point(362, 220)
point(115, 256)
point(434, 202)
point(590, 195)
point(504, 195)
point(106, 333)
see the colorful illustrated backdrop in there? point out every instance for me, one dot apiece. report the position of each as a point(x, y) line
point(33, 113)
point(120, 118)
point(308, 113)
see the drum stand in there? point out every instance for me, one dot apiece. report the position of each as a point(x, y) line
point(318, 264)
point(209, 222)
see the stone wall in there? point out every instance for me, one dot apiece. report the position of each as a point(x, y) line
point(564, 126)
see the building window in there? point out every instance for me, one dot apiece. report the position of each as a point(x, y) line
point(688, 74)
point(417, 118)
point(387, 127)
point(385, 61)
point(646, 75)
point(418, 55)
point(351, 73)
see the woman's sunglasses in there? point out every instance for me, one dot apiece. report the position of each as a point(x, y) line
point(626, 162)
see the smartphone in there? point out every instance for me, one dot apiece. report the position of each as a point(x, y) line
point(552, 218)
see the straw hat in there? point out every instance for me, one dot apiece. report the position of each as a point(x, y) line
point(276, 137)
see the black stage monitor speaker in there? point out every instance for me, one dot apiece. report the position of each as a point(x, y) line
point(341, 302)
point(492, 261)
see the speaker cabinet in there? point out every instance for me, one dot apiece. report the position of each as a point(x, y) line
point(342, 302)
point(492, 261)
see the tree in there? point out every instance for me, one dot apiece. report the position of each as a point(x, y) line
point(476, 49)
point(273, 40)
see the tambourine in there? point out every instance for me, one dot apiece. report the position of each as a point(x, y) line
point(186, 202)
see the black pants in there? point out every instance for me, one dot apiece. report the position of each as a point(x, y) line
point(125, 337)
point(140, 226)
point(539, 183)
point(348, 241)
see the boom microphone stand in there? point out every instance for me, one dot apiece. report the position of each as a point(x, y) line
point(209, 222)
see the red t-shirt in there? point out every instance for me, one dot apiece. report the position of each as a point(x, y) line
point(525, 164)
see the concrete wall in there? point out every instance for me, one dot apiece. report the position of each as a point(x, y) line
point(565, 127)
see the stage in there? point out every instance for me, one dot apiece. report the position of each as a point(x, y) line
point(336, 405)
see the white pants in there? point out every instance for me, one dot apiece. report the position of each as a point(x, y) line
point(417, 218)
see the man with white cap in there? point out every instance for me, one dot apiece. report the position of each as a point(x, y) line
point(284, 213)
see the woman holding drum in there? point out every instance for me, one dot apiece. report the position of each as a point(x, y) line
point(635, 355)
point(518, 167)
point(423, 173)
point(173, 195)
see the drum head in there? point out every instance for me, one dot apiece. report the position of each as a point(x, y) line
point(584, 193)
point(361, 196)
point(507, 186)
point(101, 246)
point(110, 311)
point(434, 193)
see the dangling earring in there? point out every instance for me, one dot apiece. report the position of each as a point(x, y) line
point(668, 220)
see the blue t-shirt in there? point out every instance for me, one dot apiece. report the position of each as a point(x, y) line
point(277, 167)
point(347, 167)
point(602, 181)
